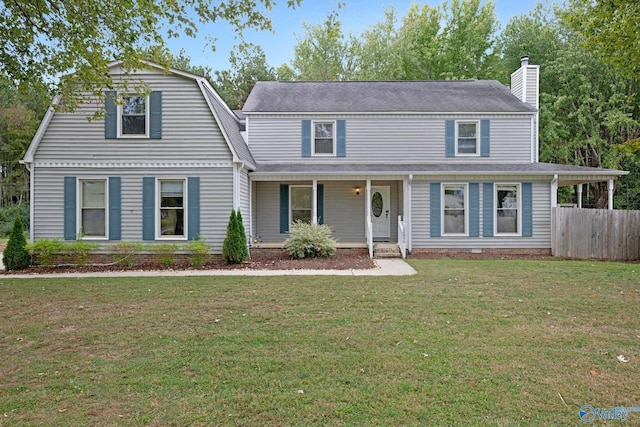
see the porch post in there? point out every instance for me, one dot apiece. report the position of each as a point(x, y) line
point(610, 194)
point(368, 204)
point(314, 202)
point(579, 196)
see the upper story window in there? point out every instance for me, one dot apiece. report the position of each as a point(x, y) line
point(133, 116)
point(93, 208)
point(467, 138)
point(455, 218)
point(324, 139)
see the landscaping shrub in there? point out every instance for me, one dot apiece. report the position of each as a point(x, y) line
point(199, 252)
point(310, 241)
point(165, 253)
point(234, 247)
point(80, 251)
point(125, 253)
point(16, 256)
point(44, 250)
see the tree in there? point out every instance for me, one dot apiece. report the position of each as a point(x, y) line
point(234, 247)
point(44, 40)
point(323, 54)
point(610, 28)
point(16, 256)
point(248, 65)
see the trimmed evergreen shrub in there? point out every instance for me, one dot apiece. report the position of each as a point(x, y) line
point(310, 241)
point(234, 247)
point(16, 256)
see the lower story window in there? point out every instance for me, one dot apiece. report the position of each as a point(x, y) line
point(455, 218)
point(507, 208)
point(300, 203)
point(93, 212)
point(172, 208)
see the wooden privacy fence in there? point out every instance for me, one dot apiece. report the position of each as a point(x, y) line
point(596, 233)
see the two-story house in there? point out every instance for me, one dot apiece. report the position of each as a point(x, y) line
point(430, 165)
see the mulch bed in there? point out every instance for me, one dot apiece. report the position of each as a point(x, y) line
point(276, 262)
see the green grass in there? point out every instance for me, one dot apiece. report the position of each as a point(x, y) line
point(461, 343)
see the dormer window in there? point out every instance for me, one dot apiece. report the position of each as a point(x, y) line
point(467, 138)
point(324, 139)
point(133, 116)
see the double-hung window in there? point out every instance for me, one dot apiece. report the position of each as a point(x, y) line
point(455, 218)
point(171, 209)
point(300, 203)
point(507, 208)
point(134, 119)
point(93, 208)
point(467, 143)
point(324, 139)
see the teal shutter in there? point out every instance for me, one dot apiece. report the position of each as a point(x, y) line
point(110, 115)
point(450, 138)
point(436, 201)
point(306, 139)
point(474, 209)
point(341, 147)
point(485, 132)
point(69, 208)
point(155, 115)
point(284, 208)
point(148, 208)
point(115, 208)
point(487, 209)
point(193, 207)
point(527, 209)
point(320, 206)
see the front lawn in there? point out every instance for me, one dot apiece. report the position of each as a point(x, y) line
point(462, 343)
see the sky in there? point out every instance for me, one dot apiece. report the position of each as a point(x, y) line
point(356, 16)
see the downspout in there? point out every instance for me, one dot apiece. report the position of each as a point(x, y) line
point(408, 216)
point(29, 167)
point(554, 205)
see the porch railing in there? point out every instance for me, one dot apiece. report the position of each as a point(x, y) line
point(370, 236)
point(402, 237)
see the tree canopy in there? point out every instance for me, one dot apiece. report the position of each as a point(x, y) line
point(46, 40)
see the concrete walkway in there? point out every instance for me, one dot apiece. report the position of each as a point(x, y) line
point(386, 267)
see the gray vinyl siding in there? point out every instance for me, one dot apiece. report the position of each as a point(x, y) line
point(189, 131)
point(420, 214)
point(516, 83)
point(244, 199)
point(215, 199)
point(389, 138)
point(532, 86)
point(344, 211)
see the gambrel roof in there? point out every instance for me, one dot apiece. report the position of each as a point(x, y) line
point(450, 96)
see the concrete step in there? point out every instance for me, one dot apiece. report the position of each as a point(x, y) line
point(387, 251)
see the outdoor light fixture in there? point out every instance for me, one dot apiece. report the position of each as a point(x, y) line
point(357, 191)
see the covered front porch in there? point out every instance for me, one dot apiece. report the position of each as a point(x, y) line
point(363, 212)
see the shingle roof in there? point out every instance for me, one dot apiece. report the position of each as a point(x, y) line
point(231, 125)
point(451, 96)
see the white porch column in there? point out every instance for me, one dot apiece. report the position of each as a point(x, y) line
point(314, 202)
point(368, 207)
point(610, 194)
point(579, 196)
point(554, 192)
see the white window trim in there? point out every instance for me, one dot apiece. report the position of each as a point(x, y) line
point(463, 122)
point(146, 118)
point(79, 207)
point(290, 193)
point(333, 124)
point(466, 208)
point(495, 208)
point(185, 205)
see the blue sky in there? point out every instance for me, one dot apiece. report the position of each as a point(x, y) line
point(356, 16)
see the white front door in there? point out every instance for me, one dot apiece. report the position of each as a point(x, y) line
point(380, 213)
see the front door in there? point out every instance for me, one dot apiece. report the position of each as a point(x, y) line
point(380, 213)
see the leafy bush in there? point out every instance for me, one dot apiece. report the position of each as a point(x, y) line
point(310, 241)
point(199, 251)
point(44, 250)
point(234, 247)
point(16, 256)
point(165, 253)
point(9, 213)
point(80, 251)
point(125, 253)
